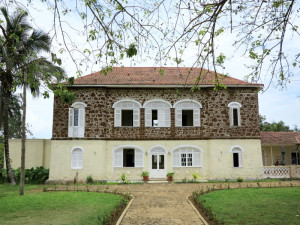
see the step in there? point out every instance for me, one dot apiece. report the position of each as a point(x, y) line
point(157, 181)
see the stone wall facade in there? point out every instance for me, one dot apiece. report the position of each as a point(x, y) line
point(215, 123)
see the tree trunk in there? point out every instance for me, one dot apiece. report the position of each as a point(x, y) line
point(22, 178)
point(9, 172)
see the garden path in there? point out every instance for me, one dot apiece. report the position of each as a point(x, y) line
point(167, 204)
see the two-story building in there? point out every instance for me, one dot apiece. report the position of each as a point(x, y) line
point(135, 119)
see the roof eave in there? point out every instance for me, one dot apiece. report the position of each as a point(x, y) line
point(161, 86)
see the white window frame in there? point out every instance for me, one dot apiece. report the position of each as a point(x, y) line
point(239, 150)
point(79, 130)
point(188, 104)
point(127, 104)
point(72, 157)
point(187, 149)
point(137, 150)
point(231, 106)
point(163, 109)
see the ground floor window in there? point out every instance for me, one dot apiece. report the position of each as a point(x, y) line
point(237, 157)
point(76, 158)
point(187, 157)
point(128, 156)
point(295, 157)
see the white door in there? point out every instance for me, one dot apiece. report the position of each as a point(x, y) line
point(158, 164)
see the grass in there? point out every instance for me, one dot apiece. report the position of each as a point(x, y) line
point(37, 207)
point(262, 206)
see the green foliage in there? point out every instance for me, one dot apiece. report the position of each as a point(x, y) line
point(37, 175)
point(224, 206)
point(131, 51)
point(170, 174)
point(57, 207)
point(274, 126)
point(89, 180)
point(111, 219)
point(239, 179)
point(124, 179)
point(196, 176)
point(144, 173)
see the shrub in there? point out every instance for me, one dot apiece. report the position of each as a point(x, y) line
point(39, 175)
point(124, 179)
point(239, 179)
point(89, 180)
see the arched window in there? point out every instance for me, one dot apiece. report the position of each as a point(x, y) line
point(187, 156)
point(76, 157)
point(234, 114)
point(157, 113)
point(187, 113)
point(237, 156)
point(76, 120)
point(127, 113)
point(128, 156)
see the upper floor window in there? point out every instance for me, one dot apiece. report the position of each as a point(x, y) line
point(234, 114)
point(76, 158)
point(237, 156)
point(157, 113)
point(127, 113)
point(128, 156)
point(76, 120)
point(187, 156)
point(187, 113)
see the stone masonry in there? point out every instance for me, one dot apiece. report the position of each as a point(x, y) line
point(99, 114)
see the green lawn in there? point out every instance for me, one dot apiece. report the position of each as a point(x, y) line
point(255, 205)
point(53, 207)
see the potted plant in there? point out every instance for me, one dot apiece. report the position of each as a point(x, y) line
point(145, 176)
point(170, 177)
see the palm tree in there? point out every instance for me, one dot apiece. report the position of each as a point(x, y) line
point(20, 65)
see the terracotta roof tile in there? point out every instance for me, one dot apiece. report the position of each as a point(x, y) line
point(151, 76)
point(280, 138)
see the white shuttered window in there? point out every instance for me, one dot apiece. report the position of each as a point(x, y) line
point(76, 123)
point(181, 117)
point(123, 106)
point(76, 158)
point(162, 118)
point(123, 153)
point(235, 114)
point(187, 157)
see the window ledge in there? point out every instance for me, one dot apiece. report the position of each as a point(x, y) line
point(76, 168)
point(187, 166)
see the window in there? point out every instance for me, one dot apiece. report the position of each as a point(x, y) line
point(157, 113)
point(127, 113)
point(295, 157)
point(128, 156)
point(154, 118)
point(76, 158)
point(76, 115)
point(237, 156)
point(234, 114)
point(187, 118)
point(187, 156)
point(187, 113)
point(76, 120)
point(127, 118)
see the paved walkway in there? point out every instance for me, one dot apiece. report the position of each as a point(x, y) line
point(164, 204)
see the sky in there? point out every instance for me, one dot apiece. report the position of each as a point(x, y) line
point(274, 103)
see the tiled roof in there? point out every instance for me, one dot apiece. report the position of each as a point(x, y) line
point(152, 76)
point(280, 138)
